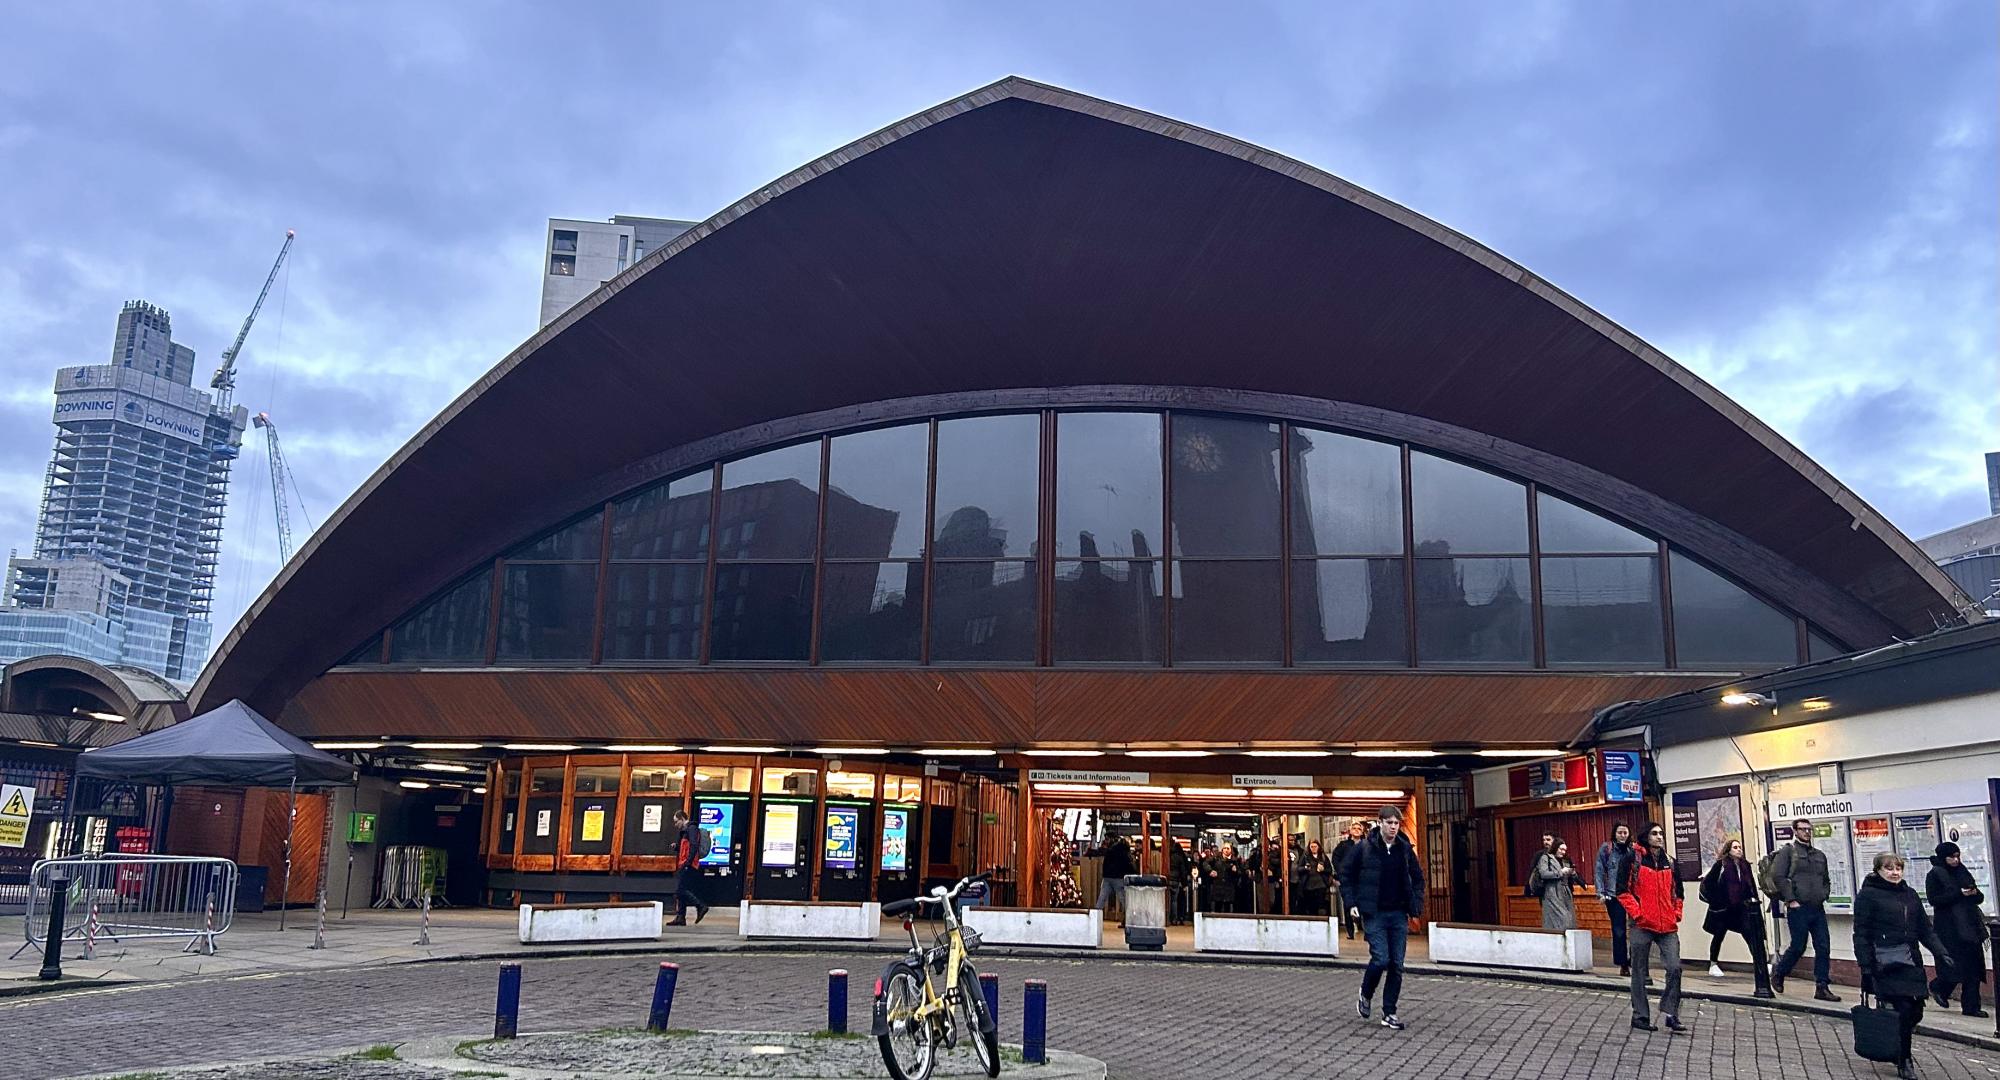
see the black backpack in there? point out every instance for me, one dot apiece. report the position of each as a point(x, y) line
point(701, 842)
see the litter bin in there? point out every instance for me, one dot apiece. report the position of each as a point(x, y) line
point(1145, 912)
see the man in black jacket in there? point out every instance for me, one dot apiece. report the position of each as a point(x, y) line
point(1382, 882)
point(1356, 832)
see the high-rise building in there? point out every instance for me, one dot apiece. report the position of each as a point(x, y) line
point(1993, 480)
point(132, 508)
point(581, 255)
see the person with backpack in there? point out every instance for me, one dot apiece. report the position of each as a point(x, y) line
point(1651, 896)
point(1604, 875)
point(1800, 874)
point(1730, 891)
point(692, 847)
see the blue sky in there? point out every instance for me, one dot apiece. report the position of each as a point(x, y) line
point(1801, 208)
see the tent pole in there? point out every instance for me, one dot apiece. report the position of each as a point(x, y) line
point(291, 823)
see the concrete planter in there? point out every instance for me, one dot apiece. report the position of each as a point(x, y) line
point(1283, 935)
point(804, 919)
point(1511, 946)
point(542, 924)
point(1073, 928)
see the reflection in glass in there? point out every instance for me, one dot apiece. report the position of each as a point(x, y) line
point(983, 612)
point(1347, 495)
point(1225, 485)
point(875, 493)
point(665, 521)
point(1474, 611)
point(1821, 648)
point(1603, 611)
point(1226, 612)
point(1565, 526)
point(1108, 484)
point(545, 611)
point(1719, 625)
point(577, 540)
point(653, 612)
point(763, 611)
point(1108, 611)
point(987, 476)
point(451, 627)
point(1459, 510)
point(770, 505)
point(1349, 611)
point(872, 611)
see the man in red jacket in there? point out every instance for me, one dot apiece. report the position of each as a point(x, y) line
point(1651, 897)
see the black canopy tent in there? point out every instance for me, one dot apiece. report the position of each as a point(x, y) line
point(229, 746)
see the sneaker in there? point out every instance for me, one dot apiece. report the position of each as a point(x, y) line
point(1715, 971)
point(1389, 1021)
point(1361, 1007)
point(1640, 1023)
point(1823, 994)
point(1674, 1024)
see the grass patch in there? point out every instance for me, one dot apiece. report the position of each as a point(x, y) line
point(381, 1052)
point(1012, 1056)
point(836, 1035)
point(466, 1048)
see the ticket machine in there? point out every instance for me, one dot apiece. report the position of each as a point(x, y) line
point(846, 854)
point(785, 850)
point(726, 819)
point(898, 851)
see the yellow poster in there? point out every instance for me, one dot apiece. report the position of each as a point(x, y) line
point(593, 823)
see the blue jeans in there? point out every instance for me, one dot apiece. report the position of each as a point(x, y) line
point(1388, 938)
point(1109, 888)
point(1806, 920)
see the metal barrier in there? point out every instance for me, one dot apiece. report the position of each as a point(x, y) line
point(119, 898)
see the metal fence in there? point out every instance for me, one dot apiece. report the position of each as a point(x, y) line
point(111, 899)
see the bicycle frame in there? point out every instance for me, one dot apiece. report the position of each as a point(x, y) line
point(936, 1003)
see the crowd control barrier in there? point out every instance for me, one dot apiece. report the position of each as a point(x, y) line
point(111, 899)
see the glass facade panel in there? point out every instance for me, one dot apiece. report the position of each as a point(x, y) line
point(1820, 648)
point(1347, 495)
point(902, 788)
point(872, 611)
point(653, 611)
point(591, 823)
point(1226, 612)
point(1109, 612)
point(722, 778)
point(577, 540)
point(658, 779)
point(983, 612)
point(546, 780)
point(770, 505)
point(665, 521)
point(1565, 526)
point(1603, 612)
point(763, 611)
point(452, 627)
point(1225, 486)
point(852, 785)
point(1108, 493)
point(1719, 625)
point(597, 779)
point(875, 493)
point(1349, 611)
point(1474, 611)
point(783, 781)
point(1459, 510)
point(987, 476)
point(546, 609)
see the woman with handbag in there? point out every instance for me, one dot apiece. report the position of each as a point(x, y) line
point(1555, 879)
point(1955, 897)
point(1889, 924)
point(1730, 891)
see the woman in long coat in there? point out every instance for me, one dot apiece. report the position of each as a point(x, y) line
point(1730, 891)
point(1556, 878)
point(1955, 899)
point(1889, 924)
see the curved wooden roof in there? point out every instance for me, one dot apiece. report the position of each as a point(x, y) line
point(1024, 236)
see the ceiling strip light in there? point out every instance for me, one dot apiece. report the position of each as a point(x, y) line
point(1366, 793)
point(347, 746)
point(1063, 753)
point(1170, 753)
point(1089, 788)
point(742, 749)
point(417, 785)
point(1289, 753)
point(439, 766)
point(642, 748)
point(1395, 753)
point(446, 746)
point(849, 751)
point(1235, 792)
point(1287, 792)
point(957, 751)
point(1138, 789)
point(549, 747)
point(1519, 753)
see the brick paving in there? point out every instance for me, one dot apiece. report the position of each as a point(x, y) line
point(1146, 1019)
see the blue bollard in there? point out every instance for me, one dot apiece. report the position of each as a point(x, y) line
point(836, 1001)
point(989, 985)
point(507, 1007)
point(1035, 1023)
point(663, 998)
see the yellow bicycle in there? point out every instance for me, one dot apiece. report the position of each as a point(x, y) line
point(914, 1017)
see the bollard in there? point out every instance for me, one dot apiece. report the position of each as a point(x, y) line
point(52, 945)
point(989, 985)
point(424, 933)
point(507, 1007)
point(836, 1001)
point(90, 932)
point(663, 998)
point(1035, 1022)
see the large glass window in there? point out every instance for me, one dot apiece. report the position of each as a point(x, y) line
point(1108, 610)
point(1474, 611)
point(1460, 510)
point(770, 505)
point(875, 493)
point(545, 611)
point(1566, 527)
point(449, 628)
point(763, 611)
point(872, 611)
point(983, 612)
point(1349, 611)
point(1225, 486)
point(577, 540)
point(987, 478)
point(665, 521)
point(1603, 612)
point(1226, 612)
point(652, 611)
point(1108, 496)
point(1717, 624)
point(1347, 495)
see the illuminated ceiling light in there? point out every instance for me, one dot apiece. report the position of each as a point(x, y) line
point(1366, 793)
point(1063, 753)
point(1519, 753)
point(1289, 753)
point(1816, 704)
point(1745, 697)
point(479, 791)
point(1395, 753)
point(1089, 788)
point(742, 749)
point(1169, 753)
point(347, 746)
point(107, 717)
point(1138, 789)
point(447, 746)
point(38, 742)
point(957, 751)
point(1288, 792)
point(1230, 792)
point(549, 747)
point(642, 748)
point(849, 751)
point(439, 766)
point(416, 784)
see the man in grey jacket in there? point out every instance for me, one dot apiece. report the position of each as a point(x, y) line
point(1803, 884)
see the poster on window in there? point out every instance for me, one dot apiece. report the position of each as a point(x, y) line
point(651, 817)
point(1872, 837)
point(543, 818)
point(781, 835)
point(1704, 821)
point(593, 825)
point(895, 839)
point(843, 837)
point(1967, 829)
point(718, 820)
point(1832, 839)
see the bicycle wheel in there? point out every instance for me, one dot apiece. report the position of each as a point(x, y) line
point(907, 1050)
point(978, 1024)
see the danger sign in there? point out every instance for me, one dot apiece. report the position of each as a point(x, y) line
point(17, 805)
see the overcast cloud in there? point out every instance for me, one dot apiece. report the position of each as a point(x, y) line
point(1801, 208)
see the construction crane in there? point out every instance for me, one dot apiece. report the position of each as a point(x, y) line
point(224, 383)
point(282, 482)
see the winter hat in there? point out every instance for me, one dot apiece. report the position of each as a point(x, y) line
point(1946, 850)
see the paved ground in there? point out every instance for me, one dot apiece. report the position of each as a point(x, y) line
point(1147, 1019)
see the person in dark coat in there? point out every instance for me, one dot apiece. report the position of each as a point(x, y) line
point(1382, 882)
point(1889, 924)
point(1182, 873)
point(1730, 891)
point(1356, 832)
point(1117, 865)
point(1955, 898)
point(1315, 873)
point(688, 875)
point(1220, 875)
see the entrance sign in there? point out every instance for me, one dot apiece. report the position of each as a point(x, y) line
point(17, 807)
point(843, 837)
point(1266, 780)
point(1087, 776)
point(781, 834)
point(895, 839)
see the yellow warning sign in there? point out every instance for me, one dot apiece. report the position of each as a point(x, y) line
point(17, 804)
point(17, 807)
